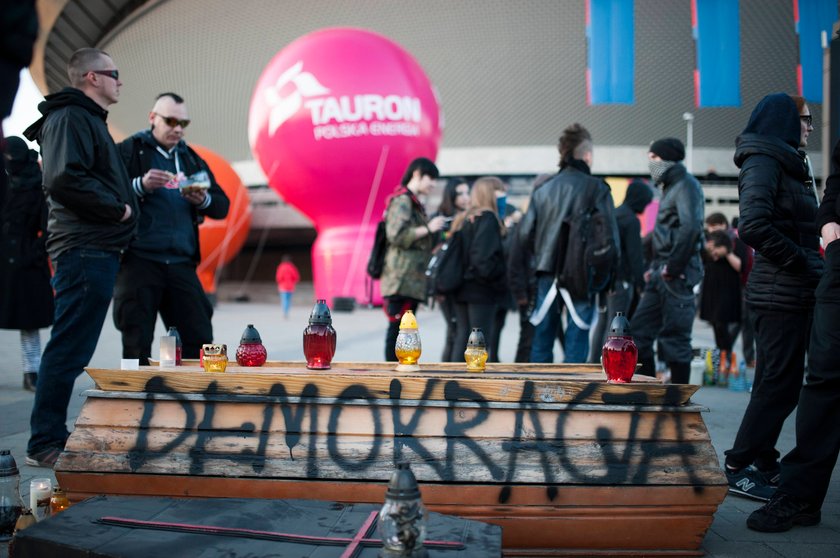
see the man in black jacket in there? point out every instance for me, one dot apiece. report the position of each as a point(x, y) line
point(540, 232)
point(666, 310)
point(91, 220)
point(806, 470)
point(158, 272)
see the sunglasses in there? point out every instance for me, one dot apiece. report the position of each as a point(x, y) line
point(173, 122)
point(114, 74)
point(807, 119)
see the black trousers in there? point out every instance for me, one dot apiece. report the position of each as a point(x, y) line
point(806, 470)
point(781, 342)
point(665, 315)
point(144, 288)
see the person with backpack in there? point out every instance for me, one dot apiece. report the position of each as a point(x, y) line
point(410, 239)
point(666, 309)
point(484, 284)
point(556, 229)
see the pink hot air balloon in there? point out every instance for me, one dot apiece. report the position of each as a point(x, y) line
point(335, 119)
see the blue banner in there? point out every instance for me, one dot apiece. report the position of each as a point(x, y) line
point(815, 16)
point(609, 37)
point(718, 40)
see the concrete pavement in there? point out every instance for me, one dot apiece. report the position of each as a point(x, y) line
point(360, 338)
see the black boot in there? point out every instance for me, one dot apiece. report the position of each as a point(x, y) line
point(680, 372)
point(30, 380)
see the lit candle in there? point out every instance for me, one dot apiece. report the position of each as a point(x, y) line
point(40, 491)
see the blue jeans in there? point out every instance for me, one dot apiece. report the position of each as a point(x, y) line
point(576, 345)
point(286, 302)
point(83, 283)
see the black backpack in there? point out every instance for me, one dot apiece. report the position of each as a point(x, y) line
point(376, 262)
point(587, 256)
point(446, 269)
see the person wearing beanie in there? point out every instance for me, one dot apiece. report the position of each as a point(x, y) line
point(26, 297)
point(666, 309)
point(778, 212)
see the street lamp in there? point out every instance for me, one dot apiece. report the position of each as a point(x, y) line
point(689, 141)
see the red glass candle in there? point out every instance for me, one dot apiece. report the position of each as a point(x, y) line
point(619, 355)
point(319, 338)
point(251, 351)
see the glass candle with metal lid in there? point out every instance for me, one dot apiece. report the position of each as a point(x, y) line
point(319, 337)
point(408, 347)
point(619, 355)
point(251, 351)
point(476, 353)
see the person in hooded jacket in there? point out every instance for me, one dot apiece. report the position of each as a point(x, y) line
point(666, 310)
point(92, 217)
point(806, 470)
point(630, 276)
point(485, 273)
point(26, 298)
point(778, 209)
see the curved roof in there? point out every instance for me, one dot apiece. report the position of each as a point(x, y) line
point(511, 75)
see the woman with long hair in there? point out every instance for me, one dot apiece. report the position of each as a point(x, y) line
point(455, 199)
point(485, 281)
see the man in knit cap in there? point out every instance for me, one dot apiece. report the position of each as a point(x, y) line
point(666, 310)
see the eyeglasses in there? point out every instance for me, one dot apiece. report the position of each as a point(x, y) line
point(114, 74)
point(807, 119)
point(172, 122)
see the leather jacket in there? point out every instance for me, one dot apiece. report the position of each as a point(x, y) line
point(551, 204)
point(678, 234)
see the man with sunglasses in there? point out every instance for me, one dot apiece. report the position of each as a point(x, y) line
point(158, 273)
point(92, 217)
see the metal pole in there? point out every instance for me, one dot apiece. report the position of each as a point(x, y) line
point(689, 141)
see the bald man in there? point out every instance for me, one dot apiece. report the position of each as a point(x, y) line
point(176, 191)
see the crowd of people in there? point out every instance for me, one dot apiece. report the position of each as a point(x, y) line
point(117, 223)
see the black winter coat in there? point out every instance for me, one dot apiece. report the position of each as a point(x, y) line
point(778, 209)
point(85, 180)
point(631, 268)
point(26, 297)
point(485, 278)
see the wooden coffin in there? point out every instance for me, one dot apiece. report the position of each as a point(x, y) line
point(564, 462)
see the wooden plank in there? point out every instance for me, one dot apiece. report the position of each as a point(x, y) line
point(450, 459)
point(416, 422)
point(568, 500)
point(389, 385)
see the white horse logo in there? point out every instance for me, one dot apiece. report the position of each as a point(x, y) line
point(282, 108)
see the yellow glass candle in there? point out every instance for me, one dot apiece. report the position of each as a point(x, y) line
point(408, 347)
point(214, 358)
point(476, 352)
